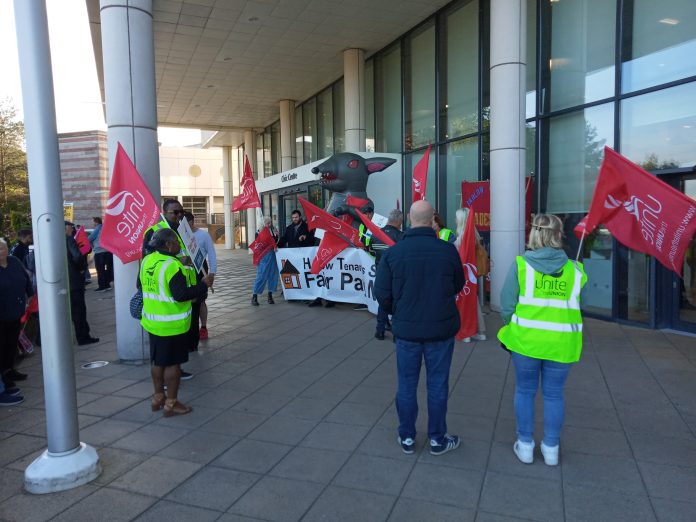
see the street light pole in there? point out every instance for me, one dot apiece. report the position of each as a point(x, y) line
point(67, 462)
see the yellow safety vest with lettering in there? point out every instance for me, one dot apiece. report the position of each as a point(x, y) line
point(163, 224)
point(162, 315)
point(365, 234)
point(444, 234)
point(547, 323)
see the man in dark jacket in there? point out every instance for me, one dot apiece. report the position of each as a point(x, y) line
point(77, 264)
point(297, 234)
point(393, 230)
point(20, 249)
point(417, 282)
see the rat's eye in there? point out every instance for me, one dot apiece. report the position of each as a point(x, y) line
point(353, 164)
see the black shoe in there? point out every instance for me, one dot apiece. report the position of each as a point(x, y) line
point(448, 443)
point(270, 299)
point(102, 289)
point(186, 376)
point(316, 302)
point(254, 300)
point(89, 340)
point(329, 304)
point(407, 445)
point(379, 334)
point(14, 375)
point(360, 307)
point(13, 391)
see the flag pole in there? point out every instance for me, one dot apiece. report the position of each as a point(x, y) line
point(582, 239)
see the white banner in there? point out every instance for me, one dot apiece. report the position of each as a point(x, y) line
point(347, 278)
point(194, 252)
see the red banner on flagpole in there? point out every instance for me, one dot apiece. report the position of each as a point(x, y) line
point(248, 196)
point(262, 245)
point(420, 177)
point(466, 299)
point(130, 211)
point(641, 211)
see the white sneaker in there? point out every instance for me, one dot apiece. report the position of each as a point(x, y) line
point(466, 340)
point(524, 451)
point(550, 454)
point(479, 337)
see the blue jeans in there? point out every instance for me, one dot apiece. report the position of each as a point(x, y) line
point(382, 319)
point(266, 272)
point(553, 378)
point(438, 359)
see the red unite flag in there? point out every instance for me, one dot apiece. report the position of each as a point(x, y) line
point(420, 177)
point(130, 211)
point(262, 245)
point(641, 211)
point(248, 197)
point(466, 299)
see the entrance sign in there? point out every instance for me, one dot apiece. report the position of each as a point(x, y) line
point(347, 278)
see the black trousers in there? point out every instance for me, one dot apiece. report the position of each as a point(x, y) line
point(104, 263)
point(79, 314)
point(9, 335)
point(194, 330)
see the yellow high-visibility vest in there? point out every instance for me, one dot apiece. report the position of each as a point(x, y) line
point(162, 315)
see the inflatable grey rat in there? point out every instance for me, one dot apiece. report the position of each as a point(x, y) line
point(345, 174)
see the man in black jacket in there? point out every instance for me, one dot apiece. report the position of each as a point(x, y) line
point(417, 281)
point(20, 249)
point(296, 234)
point(77, 264)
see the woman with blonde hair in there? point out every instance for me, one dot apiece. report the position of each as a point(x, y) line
point(461, 216)
point(540, 306)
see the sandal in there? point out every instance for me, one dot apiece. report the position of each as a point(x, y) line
point(158, 401)
point(174, 407)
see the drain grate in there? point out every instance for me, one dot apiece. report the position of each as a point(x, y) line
point(94, 364)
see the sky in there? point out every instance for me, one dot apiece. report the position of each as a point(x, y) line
point(78, 103)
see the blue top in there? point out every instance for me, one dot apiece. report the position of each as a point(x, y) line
point(417, 281)
point(94, 239)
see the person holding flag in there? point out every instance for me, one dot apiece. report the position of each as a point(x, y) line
point(264, 258)
point(540, 306)
point(462, 217)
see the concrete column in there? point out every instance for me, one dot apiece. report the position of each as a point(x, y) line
point(507, 155)
point(287, 135)
point(227, 194)
point(67, 463)
point(354, 99)
point(250, 151)
point(131, 118)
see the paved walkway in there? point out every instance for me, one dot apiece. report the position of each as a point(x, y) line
point(294, 420)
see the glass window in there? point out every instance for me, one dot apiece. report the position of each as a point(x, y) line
point(597, 256)
point(460, 161)
point(658, 130)
point(582, 51)
point(459, 77)
point(316, 195)
point(634, 285)
point(275, 147)
point(388, 100)
point(530, 153)
point(198, 206)
point(309, 130)
point(370, 105)
point(410, 161)
point(325, 127)
point(267, 168)
point(339, 112)
point(298, 136)
point(531, 58)
point(576, 150)
point(661, 45)
point(259, 170)
point(419, 87)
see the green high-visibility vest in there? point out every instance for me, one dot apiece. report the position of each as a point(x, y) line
point(162, 315)
point(363, 234)
point(547, 323)
point(444, 234)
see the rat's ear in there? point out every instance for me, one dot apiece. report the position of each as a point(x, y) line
point(378, 164)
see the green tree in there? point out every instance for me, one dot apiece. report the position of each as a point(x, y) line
point(14, 182)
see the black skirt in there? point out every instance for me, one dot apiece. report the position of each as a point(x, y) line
point(170, 350)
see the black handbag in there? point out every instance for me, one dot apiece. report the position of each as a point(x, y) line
point(136, 305)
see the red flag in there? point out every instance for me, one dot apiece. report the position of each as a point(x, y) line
point(130, 211)
point(420, 177)
point(476, 195)
point(248, 197)
point(466, 299)
point(82, 242)
point(331, 245)
point(318, 218)
point(641, 211)
point(581, 228)
point(356, 202)
point(376, 231)
point(262, 245)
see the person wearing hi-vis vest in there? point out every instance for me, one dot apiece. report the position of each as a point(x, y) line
point(168, 289)
point(442, 231)
point(540, 306)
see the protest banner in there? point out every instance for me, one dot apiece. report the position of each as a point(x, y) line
point(194, 251)
point(347, 278)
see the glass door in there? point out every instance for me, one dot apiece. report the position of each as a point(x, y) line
point(684, 289)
